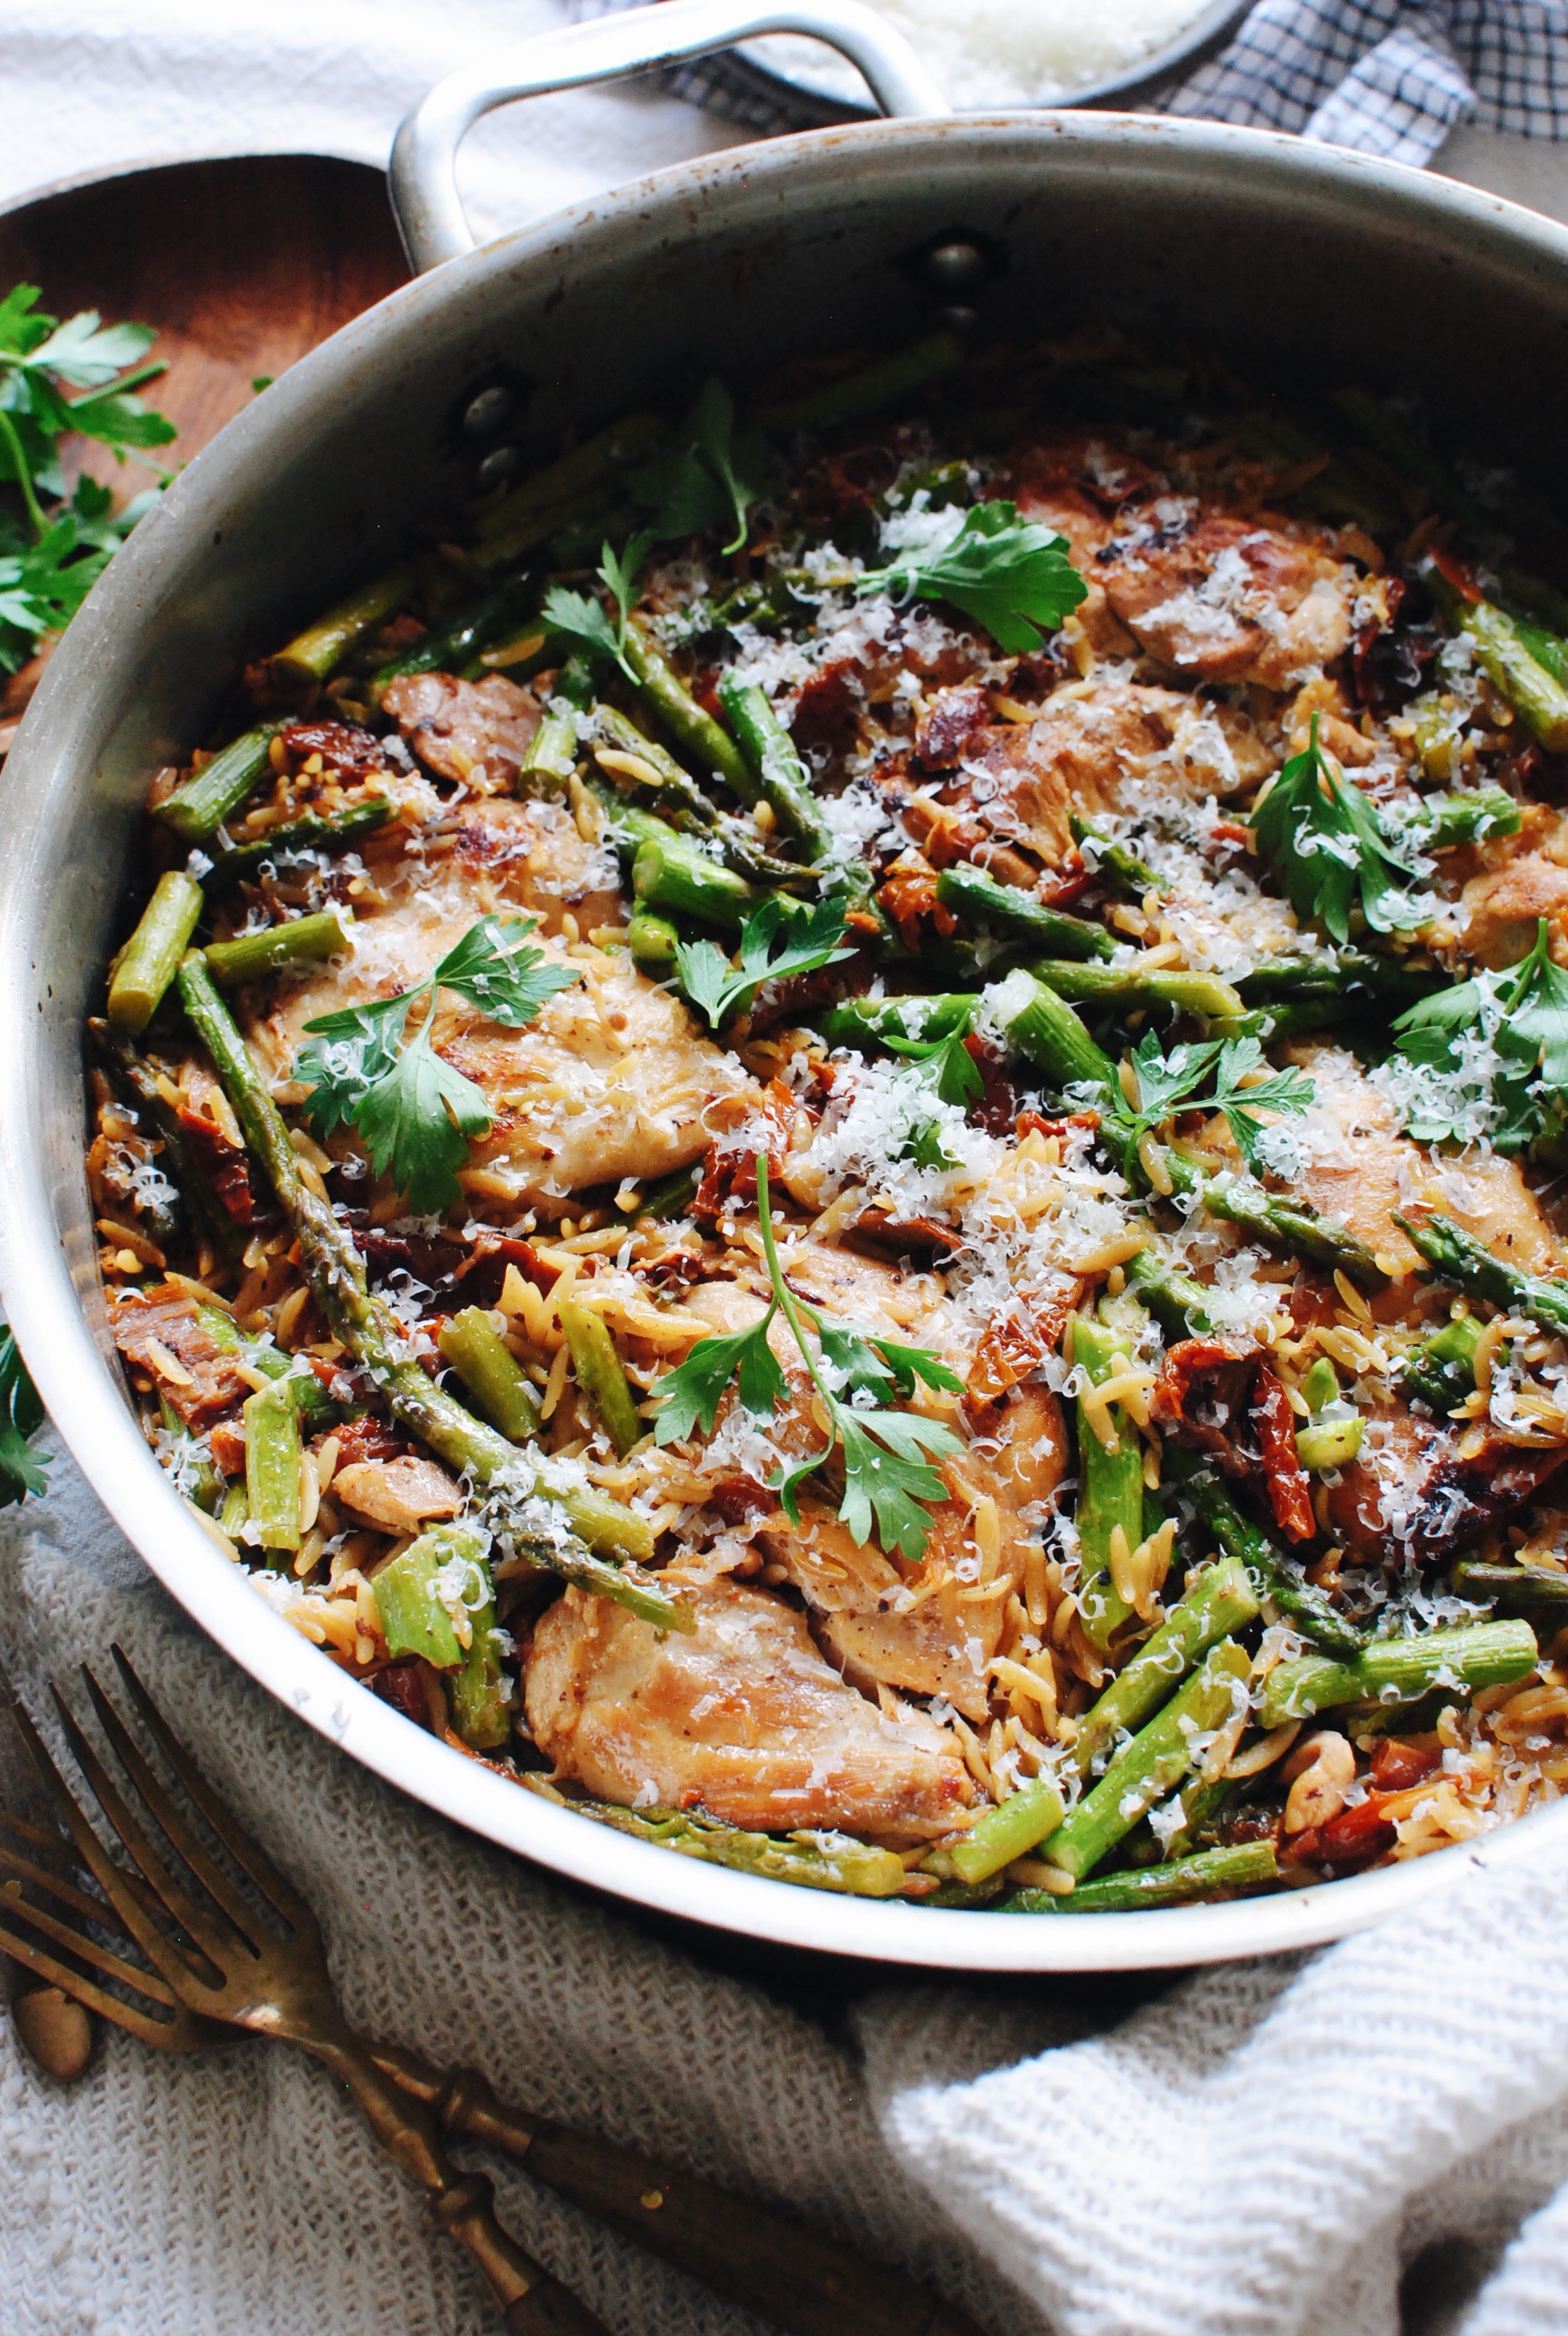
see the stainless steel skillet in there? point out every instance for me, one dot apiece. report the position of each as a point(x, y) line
point(1316, 261)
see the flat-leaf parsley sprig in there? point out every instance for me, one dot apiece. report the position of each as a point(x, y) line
point(808, 939)
point(54, 549)
point(1324, 841)
point(1011, 575)
point(889, 1482)
point(583, 619)
point(415, 1112)
point(1170, 1083)
point(710, 477)
point(1499, 1040)
point(948, 1070)
point(21, 1417)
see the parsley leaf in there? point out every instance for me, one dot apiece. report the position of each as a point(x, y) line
point(584, 620)
point(1498, 1047)
point(1325, 842)
point(711, 476)
point(808, 940)
point(691, 1397)
point(53, 545)
point(890, 1481)
point(415, 1110)
point(1169, 1082)
point(1012, 576)
point(21, 1417)
point(948, 1069)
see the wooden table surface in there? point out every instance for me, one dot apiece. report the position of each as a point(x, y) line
point(241, 265)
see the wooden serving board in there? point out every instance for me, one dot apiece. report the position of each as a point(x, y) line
point(241, 265)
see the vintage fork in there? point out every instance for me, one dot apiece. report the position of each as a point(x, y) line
point(803, 2282)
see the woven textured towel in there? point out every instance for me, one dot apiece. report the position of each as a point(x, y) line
point(1257, 2150)
point(1381, 75)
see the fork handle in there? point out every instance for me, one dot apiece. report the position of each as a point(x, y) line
point(461, 2203)
point(803, 2282)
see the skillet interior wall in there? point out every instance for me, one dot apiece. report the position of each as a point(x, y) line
point(1298, 261)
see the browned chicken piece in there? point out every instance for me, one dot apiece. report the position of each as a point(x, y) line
point(1362, 1182)
point(1091, 749)
point(473, 732)
point(1072, 514)
point(1222, 599)
point(162, 1335)
point(398, 1495)
point(742, 1719)
point(1409, 1494)
point(1503, 910)
point(610, 1081)
point(931, 1629)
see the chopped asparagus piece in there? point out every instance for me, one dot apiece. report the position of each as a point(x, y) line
point(272, 1466)
point(318, 651)
point(1400, 1670)
point(1272, 1576)
point(1185, 1881)
point(979, 898)
point(1009, 1829)
point(1221, 1599)
point(1110, 1481)
point(199, 808)
point(304, 940)
point(150, 958)
point(599, 1377)
point(493, 1375)
point(856, 395)
point(818, 1860)
point(1144, 1771)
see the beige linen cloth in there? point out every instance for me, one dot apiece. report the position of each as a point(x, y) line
point(1259, 2148)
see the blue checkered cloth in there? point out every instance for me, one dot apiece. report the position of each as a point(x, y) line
point(1384, 76)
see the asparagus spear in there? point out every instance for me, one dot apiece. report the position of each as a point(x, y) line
point(272, 1465)
point(418, 1597)
point(599, 1528)
point(1441, 1371)
point(493, 1375)
point(670, 1198)
point(1110, 1483)
point(599, 1377)
point(532, 511)
point(314, 831)
point(1043, 1027)
point(677, 877)
point(669, 697)
point(855, 395)
point(1464, 1657)
point(818, 1860)
point(1390, 980)
point(1272, 1576)
point(1515, 1588)
point(199, 808)
point(1190, 993)
point(304, 940)
point(1144, 1771)
point(486, 619)
point(150, 958)
point(1185, 1881)
point(779, 774)
point(1534, 693)
point(318, 651)
point(1177, 1302)
point(1459, 1257)
point(311, 1399)
point(979, 898)
point(1010, 1829)
point(138, 1073)
point(1294, 1226)
point(1220, 1601)
point(685, 806)
point(653, 942)
point(1130, 875)
point(552, 752)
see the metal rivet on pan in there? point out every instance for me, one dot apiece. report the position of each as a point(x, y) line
point(502, 463)
point(956, 318)
point(956, 267)
point(489, 412)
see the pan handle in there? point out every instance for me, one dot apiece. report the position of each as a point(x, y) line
point(424, 196)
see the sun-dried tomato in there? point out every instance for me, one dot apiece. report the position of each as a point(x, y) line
point(729, 1173)
point(949, 723)
point(1397, 1765)
point(1032, 1123)
point(221, 1165)
point(995, 1108)
point(1234, 1407)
